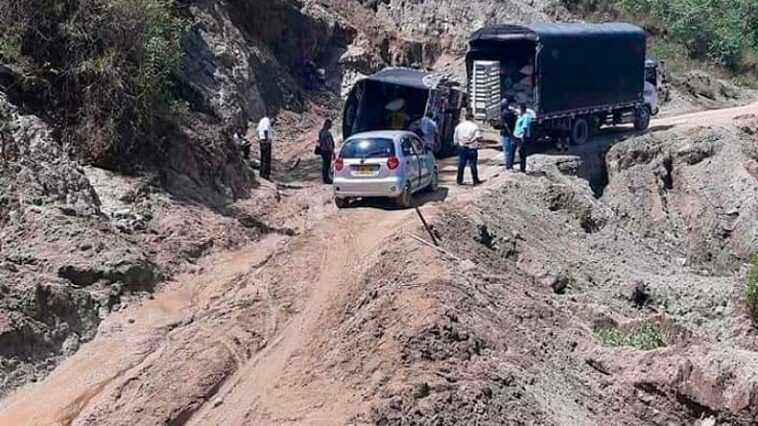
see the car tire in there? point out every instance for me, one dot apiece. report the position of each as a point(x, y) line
point(405, 199)
point(642, 119)
point(435, 183)
point(580, 131)
point(341, 203)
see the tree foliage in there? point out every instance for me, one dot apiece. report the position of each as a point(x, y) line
point(723, 31)
point(107, 65)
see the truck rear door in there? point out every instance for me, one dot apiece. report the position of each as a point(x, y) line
point(485, 89)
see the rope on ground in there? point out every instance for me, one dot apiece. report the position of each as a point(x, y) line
point(438, 248)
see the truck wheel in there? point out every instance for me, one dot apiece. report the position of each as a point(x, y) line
point(642, 119)
point(580, 131)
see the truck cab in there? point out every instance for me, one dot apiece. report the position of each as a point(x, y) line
point(652, 84)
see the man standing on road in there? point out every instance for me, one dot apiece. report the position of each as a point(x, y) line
point(523, 134)
point(507, 121)
point(265, 134)
point(326, 150)
point(429, 131)
point(466, 139)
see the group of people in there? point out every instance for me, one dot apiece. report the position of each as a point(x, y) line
point(425, 126)
point(325, 147)
point(265, 133)
point(515, 135)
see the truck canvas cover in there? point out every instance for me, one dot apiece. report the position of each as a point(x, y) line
point(576, 66)
point(409, 91)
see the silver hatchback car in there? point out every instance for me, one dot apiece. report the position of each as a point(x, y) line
point(387, 163)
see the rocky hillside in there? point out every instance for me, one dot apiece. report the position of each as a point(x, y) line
point(77, 241)
point(116, 170)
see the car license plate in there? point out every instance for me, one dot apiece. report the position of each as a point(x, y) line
point(363, 170)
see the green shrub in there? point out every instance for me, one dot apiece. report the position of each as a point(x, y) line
point(646, 337)
point(586, 220)
point(751, 291)
point(722, 31)
point(109, 64)
point(674, 54)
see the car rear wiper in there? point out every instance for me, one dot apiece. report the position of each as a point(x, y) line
point(373, 153)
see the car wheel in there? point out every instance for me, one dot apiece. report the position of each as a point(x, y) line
point(580, 131)
point(435, 183)
point(642, 119)
point(405, 199)
point(341, 203)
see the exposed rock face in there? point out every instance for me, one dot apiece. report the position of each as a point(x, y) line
point(696, 190)
point(60, 259)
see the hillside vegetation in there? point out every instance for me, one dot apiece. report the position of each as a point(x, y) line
point(722, 32)
point(99, 70)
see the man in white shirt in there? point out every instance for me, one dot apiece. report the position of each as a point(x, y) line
point(264, 136)
point(466, 138)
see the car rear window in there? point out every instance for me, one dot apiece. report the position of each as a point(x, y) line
point(368, 148)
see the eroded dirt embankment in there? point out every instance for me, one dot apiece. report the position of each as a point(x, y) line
point(546, 304)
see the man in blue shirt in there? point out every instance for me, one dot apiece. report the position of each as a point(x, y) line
point(429, 131)
point(523, 135)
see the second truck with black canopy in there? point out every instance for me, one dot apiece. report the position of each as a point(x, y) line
point(574, 77)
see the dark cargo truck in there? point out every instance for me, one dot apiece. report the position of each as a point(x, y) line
point(574, 77)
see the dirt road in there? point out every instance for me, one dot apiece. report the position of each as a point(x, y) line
point(304, 281)
point(705, 118)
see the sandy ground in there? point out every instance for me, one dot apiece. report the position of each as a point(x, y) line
point(302, 282)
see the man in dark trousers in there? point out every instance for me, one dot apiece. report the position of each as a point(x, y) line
point(466, 140)
point(507, 123)
point(265, 134)
point(326, 150)
point(523, 134)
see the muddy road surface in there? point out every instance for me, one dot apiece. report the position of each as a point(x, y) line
point(248, 337)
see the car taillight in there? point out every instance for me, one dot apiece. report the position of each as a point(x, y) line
point(392, 163)
point(338, 164)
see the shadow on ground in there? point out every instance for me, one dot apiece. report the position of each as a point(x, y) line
point(419, 199)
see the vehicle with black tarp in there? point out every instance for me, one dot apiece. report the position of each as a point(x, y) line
point(574, 77)
point(398, 99)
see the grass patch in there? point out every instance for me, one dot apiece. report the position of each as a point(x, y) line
point(587, 220)
point(751, 291)
point(647, 336)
